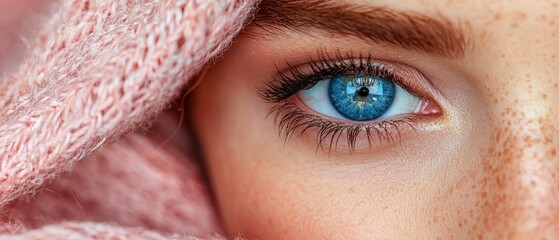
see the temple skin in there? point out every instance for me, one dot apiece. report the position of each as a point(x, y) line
point(486, 168)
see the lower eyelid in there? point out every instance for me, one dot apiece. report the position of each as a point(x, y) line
point(335, 136)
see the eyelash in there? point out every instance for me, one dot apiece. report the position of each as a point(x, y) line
point(284, 86)
point(292, 118)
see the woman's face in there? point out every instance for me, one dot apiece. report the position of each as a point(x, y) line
point(381, 119)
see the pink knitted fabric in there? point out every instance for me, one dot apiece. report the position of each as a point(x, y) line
point(99, 70)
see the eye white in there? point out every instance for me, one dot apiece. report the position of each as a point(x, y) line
point(317, 98)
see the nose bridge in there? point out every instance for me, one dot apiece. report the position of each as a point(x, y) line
point(521, 167)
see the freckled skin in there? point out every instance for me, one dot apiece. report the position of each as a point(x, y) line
point(489, 170)
point(518, 184)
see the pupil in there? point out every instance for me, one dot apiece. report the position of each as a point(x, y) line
point(363, 92)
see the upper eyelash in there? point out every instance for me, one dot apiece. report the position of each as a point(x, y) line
point(285, 85)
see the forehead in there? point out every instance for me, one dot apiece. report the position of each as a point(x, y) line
point(462, 6)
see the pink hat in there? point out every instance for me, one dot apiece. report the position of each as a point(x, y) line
point(97, 72)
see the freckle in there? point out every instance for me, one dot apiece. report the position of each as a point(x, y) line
point(544, 97)
point(520, 16)
point(533, 183)
point(497, 16)
point(554, 152)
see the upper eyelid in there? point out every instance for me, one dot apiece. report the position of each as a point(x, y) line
point(421, 88)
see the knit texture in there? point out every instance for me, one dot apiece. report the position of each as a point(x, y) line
point(97, 71)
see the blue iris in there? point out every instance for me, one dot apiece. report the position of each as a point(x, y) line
point(361, 97)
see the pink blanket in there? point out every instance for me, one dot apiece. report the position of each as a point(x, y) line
point(76, 160)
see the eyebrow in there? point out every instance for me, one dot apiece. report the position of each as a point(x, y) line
point(408, 30)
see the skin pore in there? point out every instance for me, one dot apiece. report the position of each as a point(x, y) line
point(485, 165)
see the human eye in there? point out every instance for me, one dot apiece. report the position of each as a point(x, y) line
point(347, 97)
point(359, 97)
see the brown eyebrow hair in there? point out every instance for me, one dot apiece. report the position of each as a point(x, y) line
point(412, 31)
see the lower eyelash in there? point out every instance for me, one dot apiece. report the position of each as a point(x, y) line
point(292, 119)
